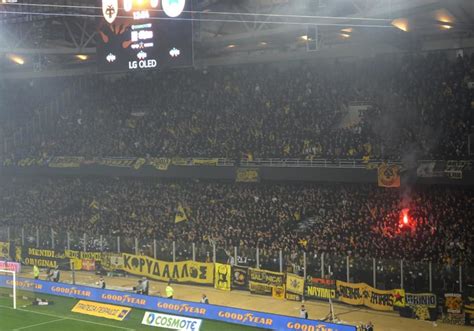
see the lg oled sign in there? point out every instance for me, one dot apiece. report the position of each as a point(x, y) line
point(145, 34)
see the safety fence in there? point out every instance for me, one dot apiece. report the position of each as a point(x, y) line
point(413, 276)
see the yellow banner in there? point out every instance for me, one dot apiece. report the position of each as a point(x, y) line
point(76, 263)
point(205, 162)
point(388, 175)
point(278, 292)
point(112, 261)
point(4, 250)
point(399, 298)
point(247, 175)
point(159, 163)
point(66, 162)
point(222, 276)
point(350, 293)
point(101, 310)
point(378, 299)
point(294, 284)
point(363, 294)
point(97, 256)
point(186, 271)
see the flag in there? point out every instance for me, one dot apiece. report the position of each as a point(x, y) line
point(388, 175)
point(94, 204)
point(180, 214)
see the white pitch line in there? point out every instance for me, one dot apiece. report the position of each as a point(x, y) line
point(70, 318)
point(35, 325)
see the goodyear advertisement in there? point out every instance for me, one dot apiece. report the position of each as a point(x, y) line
point(179, 307)
point(43, 258)
point(240, 278)
point(320, 288)
point(187, 271)
point(222, 277)
point(264, 281)
point(363, 294)
point(101, 310)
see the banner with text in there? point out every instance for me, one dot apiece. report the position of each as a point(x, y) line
point(186, 271)
point(363, 294)
point(263, 281)
point(42, 258)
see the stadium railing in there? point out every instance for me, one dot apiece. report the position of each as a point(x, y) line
point(416, 276)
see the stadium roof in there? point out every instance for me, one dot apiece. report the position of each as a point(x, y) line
point(49, 34)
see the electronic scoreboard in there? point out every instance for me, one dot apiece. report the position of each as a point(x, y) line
point(144, 34)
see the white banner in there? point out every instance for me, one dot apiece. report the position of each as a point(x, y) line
point(171, 321)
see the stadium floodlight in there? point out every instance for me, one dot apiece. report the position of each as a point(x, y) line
point(401, 23)
point(17, 59)
point(13, 282)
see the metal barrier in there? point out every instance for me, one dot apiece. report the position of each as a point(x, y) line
point(416, 276)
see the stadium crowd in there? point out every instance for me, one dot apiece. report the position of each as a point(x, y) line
point(339, 219)
point(419, 105)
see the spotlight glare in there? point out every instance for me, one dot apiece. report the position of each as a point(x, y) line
point(17, 59)
point(401, 23)
point(82, 57)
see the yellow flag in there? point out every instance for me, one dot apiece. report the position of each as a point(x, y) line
point(94, 204)
point(180, 214)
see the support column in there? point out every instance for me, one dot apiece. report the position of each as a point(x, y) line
point(68, 238)
point(37, 238)
point(154, 249)
point(235, 256)
point(174, 251)
point(118, 244)
point(401, 274)
point(137, 251)
point(430, 276)
point(194, 252)
point(322, 265)
point(101, 243)
point(304, 264)
point(85, 242)
point(22, 237)
point(52, 238)
point(347, 269)
point(374, 274)
point(214, 252)
point(257, 258)
point(280, 253)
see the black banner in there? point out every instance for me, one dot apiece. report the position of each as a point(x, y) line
point(43, 258)
point(240, 278)
point(316, 292)
point(320, 288)
point(263, 281)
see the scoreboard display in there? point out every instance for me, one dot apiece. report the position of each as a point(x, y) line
point(136, 35)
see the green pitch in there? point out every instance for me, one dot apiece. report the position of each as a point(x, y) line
point(58, 317)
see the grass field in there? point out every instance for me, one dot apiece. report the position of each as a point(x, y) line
point(58, 317)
